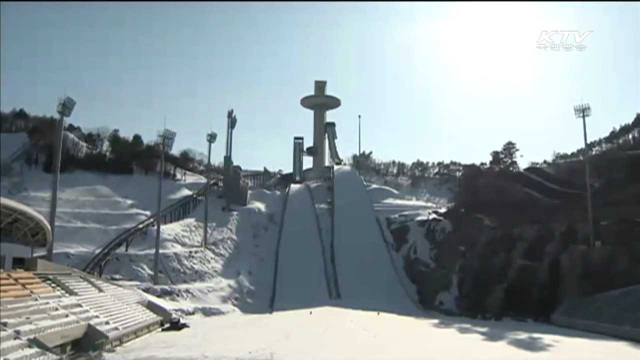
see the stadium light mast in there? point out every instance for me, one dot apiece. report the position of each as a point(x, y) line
point(64, 109)
point(232, 120)
point(359, 137)
point(211, 138)
point(583, 111)
point(165, 142)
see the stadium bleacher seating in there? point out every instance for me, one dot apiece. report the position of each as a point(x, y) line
point(36, 306)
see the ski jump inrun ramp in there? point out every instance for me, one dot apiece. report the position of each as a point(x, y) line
point(365, 272)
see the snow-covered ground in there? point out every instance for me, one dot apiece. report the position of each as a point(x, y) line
point(233, 275)
point(93, 208)
point(335, 333)
point(234, 272)
point(436, 191)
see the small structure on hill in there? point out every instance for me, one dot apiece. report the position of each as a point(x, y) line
point(22, 230)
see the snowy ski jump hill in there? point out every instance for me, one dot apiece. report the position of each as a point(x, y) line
point(301, 280)
point(364, 268)
point(367, 275)
point(320, 323)
point(234, 275)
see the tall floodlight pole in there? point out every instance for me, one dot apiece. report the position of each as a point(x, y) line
point(165, 141)
point(232, 120)
point(211, 138)
point(65, 108)
point(359, 137)
point(229, 116)
point(583, 111)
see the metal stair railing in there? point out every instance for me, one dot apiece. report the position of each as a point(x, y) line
point(180, 209)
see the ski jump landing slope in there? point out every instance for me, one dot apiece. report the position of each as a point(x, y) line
point(367, 276)
point(301, 281)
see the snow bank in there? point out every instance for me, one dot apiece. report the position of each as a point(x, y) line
point(431, 190)
point(74, 145)
point(334, 333)
point(378, 193)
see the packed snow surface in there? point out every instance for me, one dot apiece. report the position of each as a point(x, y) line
point(301, 281)
point(365, 270)
point(335, 333)
point(235, 272)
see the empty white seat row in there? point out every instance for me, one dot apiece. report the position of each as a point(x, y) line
point(106, 308)
point(29, 354)
point(69, 303)
point(7, 347)
point(14, 323)
point(7, 302)
point(59, 314)
point(46, 326)
point(80, 285)
point(24, 304)
point(75, 283)
point(132, 320)
point(86, 317)
point(124, 319)
point(52, 296)
point(34, 310)
point(112, 311)
point(129, 324)
point(6, 335)
point(136, 327)
point(113, 288)
point(128, 297)
point(107, 287)
point(78, 310)
point(93, 299)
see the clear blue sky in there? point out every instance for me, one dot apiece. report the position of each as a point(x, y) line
point(435, 81)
